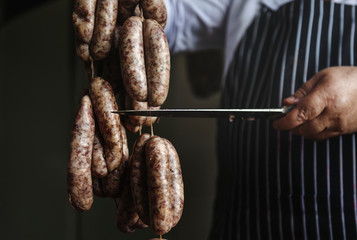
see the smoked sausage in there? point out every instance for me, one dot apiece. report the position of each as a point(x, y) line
point(104, 103)
point(159, 178)
point(99, 166)
point(131, 51)
point(105, 20)
point(138, 178)
point(83, 19)
point(79, 179)
point(157, 62)
point(154, 9)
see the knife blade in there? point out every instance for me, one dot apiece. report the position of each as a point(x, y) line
point(247, 114)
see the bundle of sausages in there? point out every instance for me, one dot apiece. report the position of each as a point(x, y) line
point(126, 56)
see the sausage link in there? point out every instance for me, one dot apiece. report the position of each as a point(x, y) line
point(105, 20)
point(97, 187)
point(138, 178)
point(155, 9)
point(126, 213)
point(126, 9)
point(83, 19)
point(82, 50)
point(176, 183)
point(157, 61)
point(132, 61)
point(159, 178)
point(99, 166)
point(104, 103)
point(125, 143)
point(79, 179)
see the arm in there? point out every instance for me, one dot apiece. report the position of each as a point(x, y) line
point(195, 24)
point(326, 105)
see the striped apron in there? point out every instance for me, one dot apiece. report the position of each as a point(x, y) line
point(275, 185)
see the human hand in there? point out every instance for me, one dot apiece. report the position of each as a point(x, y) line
point(326, 105)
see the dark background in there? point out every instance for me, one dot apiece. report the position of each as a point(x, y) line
point(40, 83)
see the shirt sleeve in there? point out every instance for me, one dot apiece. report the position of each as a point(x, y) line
point(196, 24)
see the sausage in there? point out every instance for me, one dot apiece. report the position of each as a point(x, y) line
point(113, 182)
point(104, 103)
point(158, 171)
point(105, 20)
point(151, 120)
point(157, 61)
point(125, 143)
point(176, 183)
point(138, 178)
point(79, 179)
point(155, 9)
point(82, 50)
point(131, 49)
point(83, 19)
point(126, 9)
point(97, 187)
point(134, 123)
point(127, 217)
point(99, 166)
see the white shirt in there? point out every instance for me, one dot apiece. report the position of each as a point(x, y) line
point(213, 24)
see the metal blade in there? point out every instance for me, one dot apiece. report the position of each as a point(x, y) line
point(248, 114)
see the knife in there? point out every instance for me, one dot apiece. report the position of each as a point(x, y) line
point(245, 114)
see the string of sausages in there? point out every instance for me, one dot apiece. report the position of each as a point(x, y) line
point(127, 60)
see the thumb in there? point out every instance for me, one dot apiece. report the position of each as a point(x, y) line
point(304, 90)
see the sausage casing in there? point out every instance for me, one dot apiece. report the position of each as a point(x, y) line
point(83, 19)
point(104, 103)
point(79, 179)
point(155, 9)
point(126, 213)
point(99, 166)
point(158, 172)
point(132, 61)
point(176, 183)
point(157, 61)
point(82, 50)
point(138, 178)
point(126, 9)
point(105, 20)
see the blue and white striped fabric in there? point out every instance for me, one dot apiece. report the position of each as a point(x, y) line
point(275, 185)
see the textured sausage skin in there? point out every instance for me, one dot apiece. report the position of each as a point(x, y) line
point(83, 19)
point(105, 20)
point(158, 172)
point(79, 179)
point(155, 9)
point(104, 103)
point(126, 9)
point(157, 61)
point(126, 213)
point(82, 50)
point(99, 166)
point(138, 178)
point(132, 61)
point(134, 123)
point(176, 183)
point(125, 143)
point(111, 65)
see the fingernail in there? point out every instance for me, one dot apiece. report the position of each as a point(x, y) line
point(292, 99)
